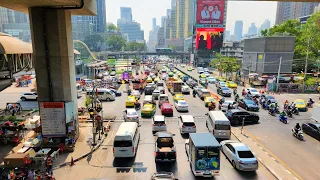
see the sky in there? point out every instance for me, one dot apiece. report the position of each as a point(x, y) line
point(144, 10)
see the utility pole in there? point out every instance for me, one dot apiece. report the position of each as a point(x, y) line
point(279, 70)
point(318, 71)
point(306, 65)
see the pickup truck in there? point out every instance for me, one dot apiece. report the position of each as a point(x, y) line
point(165, 150)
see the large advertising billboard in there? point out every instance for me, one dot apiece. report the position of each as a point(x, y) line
point(209, 38)
point(211, 12)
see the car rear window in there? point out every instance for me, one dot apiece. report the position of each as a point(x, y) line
point(159, 122)
point(222, 127)
point(188, 123)
point(132, 113)
point(245, 154)
point(183, 103)
point(127, 143)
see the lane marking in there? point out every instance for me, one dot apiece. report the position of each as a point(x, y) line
point(277, 159)
point(288, 171)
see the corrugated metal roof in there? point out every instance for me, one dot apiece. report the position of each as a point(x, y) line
point(12, 45)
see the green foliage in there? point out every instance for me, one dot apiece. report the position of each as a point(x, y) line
point(2, 118)
point(88, 101)
point(94, 42)
point(311, 81)
point(112, 28)
point(172, 47)
point(264, 32)
point(12, 118)
point(134, 46)
point(116, 42)
point(225, 64)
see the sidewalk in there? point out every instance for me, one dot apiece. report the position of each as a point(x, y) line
point(279, 169)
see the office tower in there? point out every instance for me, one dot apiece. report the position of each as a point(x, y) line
point(252, 30)
point(154, 22)
point(126, 13)
point(238, 27)
point(227, 36)
point(163, 21)
point(184, 18)
point(265, 25)
point(173, 24)
point(293, 10)
point(101, 16)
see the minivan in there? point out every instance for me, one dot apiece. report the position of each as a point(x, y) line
point(103, 94)
point(219, 125)
point(186, 124)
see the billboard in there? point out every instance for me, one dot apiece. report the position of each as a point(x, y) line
point(209, 38)
point(53, 119)
point(210, 12)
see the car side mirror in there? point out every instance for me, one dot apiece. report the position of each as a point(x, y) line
point(173, 134)
point(206, 114)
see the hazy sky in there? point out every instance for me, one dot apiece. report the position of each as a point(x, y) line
point(144, 10)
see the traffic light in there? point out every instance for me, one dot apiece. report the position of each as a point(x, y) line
point(91, 112)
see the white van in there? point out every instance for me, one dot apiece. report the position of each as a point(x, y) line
point(218, 124)
point(186, 124)
point(103, 94)
point(126, 141)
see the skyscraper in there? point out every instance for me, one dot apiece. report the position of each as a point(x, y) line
point(154, 22)
point(252, 30)
point(85, 25)
point(184, 18)
point(163, 21)
point(238, 27)
point(265, 25)
point(292, 10)
point(227, 35)
point(126, 13)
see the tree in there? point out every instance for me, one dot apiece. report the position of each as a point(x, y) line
point(116, 42)
point(134, 46)
point(94, 42)
point(225, 64)
point(172, 47)
point(264, 32)
point(112, 28)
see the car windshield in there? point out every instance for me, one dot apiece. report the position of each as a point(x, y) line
point(210, 99)
point(231, 82)
point(165, 142)
point(132, 113)
point(188, 123)
point(182, 103)
point(221, 83)
point(225, 88)
point(206, 93)
point(131, 99)
point(245, 154)
point(179, 97)
point(300, 102)
point(270, 97)
point(248, 101)
point(253, 90)
point(147, 107)
point(164, 98)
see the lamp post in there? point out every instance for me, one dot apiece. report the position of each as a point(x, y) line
point(306, 64)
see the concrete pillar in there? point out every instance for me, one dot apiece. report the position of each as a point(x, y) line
point(53, 54)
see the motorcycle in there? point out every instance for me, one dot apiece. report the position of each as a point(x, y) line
point(295, 111)
point(283, 119)
point(212, 108)
point(272, 112)
point(310, 104)
point(265, 106)
point(298, 135)
point(194, 95)
point(137, 106)
point(276, 110)
point(288, 112)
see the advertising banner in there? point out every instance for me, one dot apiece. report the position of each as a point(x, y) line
point(53, 119)
point(211, 12)
point(209, 38)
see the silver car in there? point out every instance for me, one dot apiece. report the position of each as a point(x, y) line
point(185, 89)
point(181, 105)
point(130, 115)
point(158, 124)
point(239, 155)
point(224, 106)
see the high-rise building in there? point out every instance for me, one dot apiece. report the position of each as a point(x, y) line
point(153, 39)
point(163, 21)
point(184, 18)
point(292, 10)
point(154, 22)
point(265, 25)
point(252, 29)
point(128, 27)
point(96, 23)
point(173, 18)
point(238, 27)
point(126, 13)
point(227, 36)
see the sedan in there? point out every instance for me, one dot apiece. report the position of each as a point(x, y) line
point(301, 105)
point(29, 96)
point(231, 84)
point(130, 101)
point(136, 94)
point(208, 100)
point(224, 91)
point(254, 92)
point(117, 93)
point(236, 116)
point(224, 106)
point(211, 80)
point(185, 90)
point(148, 110)
point(177, 97)
point(312, 129)
point(181, 105)
point(207, 74)
point(166, 109)
point(248, 104)
point(239, 155)
point(131, 115)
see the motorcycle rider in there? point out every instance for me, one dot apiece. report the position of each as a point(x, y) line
point(194, 92)
point(236, 97)
point(282, 114)
point(243, 92)
point(297, 128)
point(286, 104)
point(212, 106)
point(137, 105)
point(230, 106)
point(221, 101)
point(310, 102)
point(272, 107)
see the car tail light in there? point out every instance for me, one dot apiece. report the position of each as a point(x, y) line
point(183, 126)
point(113, 150)
point(153, 125)
point(194, 126)
point(132, 149)
point(241, 162)
point(156, 154)
point(164, 125)
point(175, 153)
point(213, 131)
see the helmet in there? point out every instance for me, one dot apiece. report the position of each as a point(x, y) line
point(297, 124)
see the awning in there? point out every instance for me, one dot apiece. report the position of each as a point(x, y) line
point(12, 45)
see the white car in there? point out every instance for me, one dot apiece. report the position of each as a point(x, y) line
point(224, 106)
point(185, 89)
point(206, 74)
point(136, 94)
point(239, 155)
point(158, 124)
point(156, 94)
point(181, 105)
point(131, 115)
point(29, 96)
point(254, 92)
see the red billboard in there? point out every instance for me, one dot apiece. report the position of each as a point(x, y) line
point(209, 38)
point(211, 12)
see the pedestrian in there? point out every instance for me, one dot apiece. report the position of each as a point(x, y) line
point(31, 174)
point(49, 164)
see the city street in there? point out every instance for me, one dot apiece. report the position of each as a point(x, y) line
point(103, 165)
point(277, 137)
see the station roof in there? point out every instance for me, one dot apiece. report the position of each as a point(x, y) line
point(89, 8)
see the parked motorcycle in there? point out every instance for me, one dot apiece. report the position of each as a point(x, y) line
point(298, 135)
point(283, 119)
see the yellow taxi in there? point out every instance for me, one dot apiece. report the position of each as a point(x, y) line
point(202, 76)
point(177, 97)
point(148, 110)
point(231, 84)
point(190, 68)
point(208, 100)
point(174, 70)
point(130, 101)
point(222, 79)
point(180, 75)
point(149, 80)
point(156, 79)
point(170, 74)
point(301, 104)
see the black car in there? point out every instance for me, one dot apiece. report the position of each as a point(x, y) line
point(236, 116)
point(268, 98)
point(224, 91)
point(312, 129)
point(149, 90)
point(248, 104)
